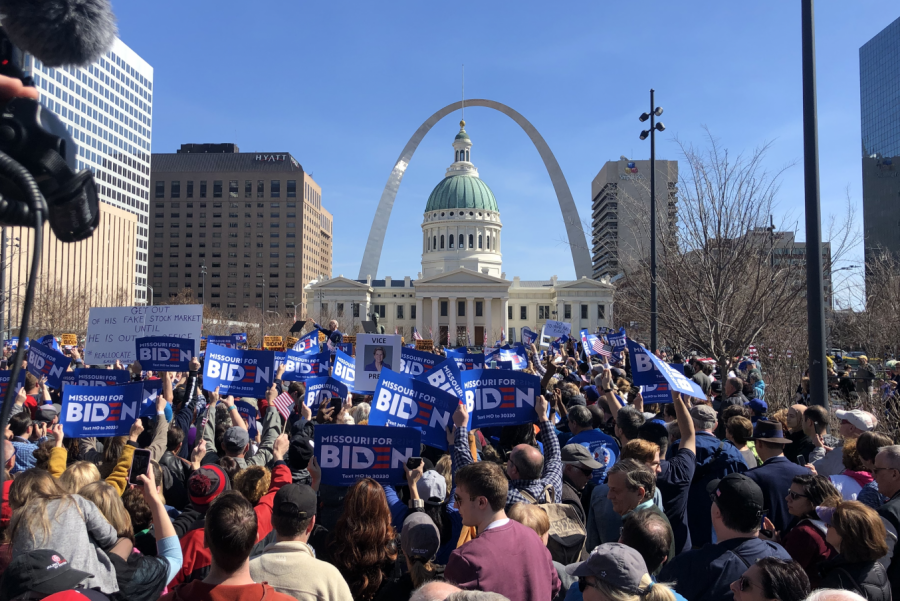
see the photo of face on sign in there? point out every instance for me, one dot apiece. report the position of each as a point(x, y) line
point(377, 357)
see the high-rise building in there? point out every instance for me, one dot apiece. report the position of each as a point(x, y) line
point(252, 222)
point(784, 251)
point(108, 109)
point(620, 210)
point(879, 94)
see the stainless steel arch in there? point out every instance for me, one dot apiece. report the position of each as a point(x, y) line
point(577, 242)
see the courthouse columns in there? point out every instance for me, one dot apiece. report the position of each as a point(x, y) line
point(451, 331)
point(435, 313)
point(488, 323)
point(419, 317)
point(470, 319)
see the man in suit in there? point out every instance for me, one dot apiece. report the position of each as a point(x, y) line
point(776, 473)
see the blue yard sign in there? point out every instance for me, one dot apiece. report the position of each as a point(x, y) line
point(238, 372)
point(401, 401)
point(496, 397)
point(100, 411)
point(44, 362)
point(164, 353)
point(414, 363)
point(347, 454)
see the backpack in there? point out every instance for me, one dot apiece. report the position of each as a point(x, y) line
point(567, 533)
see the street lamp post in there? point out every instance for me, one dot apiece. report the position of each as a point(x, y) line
point(655, 111)
point(138, 283)
point(203, 279)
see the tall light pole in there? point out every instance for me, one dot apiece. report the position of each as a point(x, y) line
point(655, 111)
point(815, 294)
point(137, 283)
point(203, 279)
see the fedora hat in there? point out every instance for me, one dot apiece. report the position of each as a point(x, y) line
point(769, 432)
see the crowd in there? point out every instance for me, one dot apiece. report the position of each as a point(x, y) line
point(602, 497)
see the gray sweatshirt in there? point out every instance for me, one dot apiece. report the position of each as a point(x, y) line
point(75, 525)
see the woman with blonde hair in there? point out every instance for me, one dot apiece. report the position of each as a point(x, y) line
point(78, 475)
point(108, 501)
point(46, 517)
point(615, 572)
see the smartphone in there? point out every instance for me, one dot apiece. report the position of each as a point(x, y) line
point(801, 460)
point(140, 464)
point(336, 403)
point(413, 462)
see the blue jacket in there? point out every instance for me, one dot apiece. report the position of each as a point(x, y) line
point(774, 477)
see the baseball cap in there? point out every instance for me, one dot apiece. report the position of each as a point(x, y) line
point(576, 454)
point(236, 438)
point(43, 571)
point(206, 484)
point(737, 492)
point(716, 387)
point(432, 487)
point(46, 413)
point(757, 405)
point(295, 500)
point(299, 451)
point(617, 565)
point(575, 399)
point(704, 413)
point(863, 420)
point(419, 536)
point(591, 394)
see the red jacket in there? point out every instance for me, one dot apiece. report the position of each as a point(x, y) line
point(281, 475)
point(805, 543)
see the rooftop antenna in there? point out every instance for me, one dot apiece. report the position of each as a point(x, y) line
point(463, 123)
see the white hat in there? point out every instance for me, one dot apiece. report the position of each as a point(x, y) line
point(863, 420)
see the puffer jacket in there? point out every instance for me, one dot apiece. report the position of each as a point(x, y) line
point(866, 578)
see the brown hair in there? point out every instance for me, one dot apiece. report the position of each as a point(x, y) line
point(740, 428)
point(868, 444)
point(530, 516)
point(850, 457)
point(485, 479)
point(363, 544)
point(863, 533)
point(780, 416)
point(78, 475)
point(640, 449)
point(736, 410)
point(29, 495)
point(444, 467)
point(137, 508)
point(107, 499)
point(230, 530)
point(253, 482)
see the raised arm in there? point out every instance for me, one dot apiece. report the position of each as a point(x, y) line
point(271, 430)
point(685, 424)
point(553, 468)
point(462, 455)
point(236, 418)
point(158, 444)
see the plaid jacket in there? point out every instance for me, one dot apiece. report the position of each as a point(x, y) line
point(552, 473)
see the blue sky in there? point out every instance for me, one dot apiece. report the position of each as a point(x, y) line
point(343, 85)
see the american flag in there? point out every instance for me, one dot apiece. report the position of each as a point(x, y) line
point(431, 332)
point(416, 335)
point(284, 403)
point(502, 335)
point(594, 346)
point(468, 337)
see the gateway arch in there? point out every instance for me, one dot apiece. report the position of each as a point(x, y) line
point(577, 243)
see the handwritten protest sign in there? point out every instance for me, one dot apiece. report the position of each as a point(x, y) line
point(273, 343)
point(496, 397)
point(69, 340)
point(401, 401)
point(44, 362)
point(238, 372)
point(112, 330)
point(348, 453)
point(98, 411)
point(557, 329)
point(425, 345)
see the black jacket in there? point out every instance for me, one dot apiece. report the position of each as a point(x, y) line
point(867, 578)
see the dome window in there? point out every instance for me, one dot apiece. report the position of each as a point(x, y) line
point(451, 213)
point(480, 241)
point(450, 239)
point(462, 241)
point(434, 243)
point(471, 241)
point(442, 214)
point(442, 241)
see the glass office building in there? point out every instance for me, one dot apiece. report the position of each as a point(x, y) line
point(879, 91)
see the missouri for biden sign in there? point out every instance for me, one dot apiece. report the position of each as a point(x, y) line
point(162, 353)
point(237, 372)
point(497, 397)
point(100, 410)
point(348, 453)
point(403, 401)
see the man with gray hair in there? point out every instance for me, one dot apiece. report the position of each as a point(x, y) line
point(631, 488)
point(887, 475)
point(434, 591)
point(476, 596)
point(834, 594)
point(715, 459)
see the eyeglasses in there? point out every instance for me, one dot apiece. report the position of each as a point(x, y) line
point(796, 495)
point(745, 583)
point(583, 584)
point(877, 469)
point(458, 499)
point(587, 472)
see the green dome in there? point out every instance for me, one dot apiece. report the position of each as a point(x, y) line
point(462, 135)
point(461, 192)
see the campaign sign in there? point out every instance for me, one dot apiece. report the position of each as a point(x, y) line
point(85, 376)
point(250, 415)
point(308, 343)
point(497, 397)
point(660, 393)
point(152, 390)
point(348, 453)
point(69, 340)
point(468, 361)
point(345, 347)
point(302, 366)
point(238, 372)
point(323, 390)
point(112, 330)
point(528, 336)
point(4, 382)
point(414, 363)
point(457, 353)
point(241, 337)
point(44, 362)
point(164, 353)
point(617, 340)
point(646, 369)
point(344, 368)
point(557, 329)
point(98, 411)
point(280, 358)
point(226, 341)
point(50, 342)
point(444, 376)
point(375, 352)
point(401, 401)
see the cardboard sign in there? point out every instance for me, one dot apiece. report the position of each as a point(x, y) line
point(226, 341)
point(323, 390)
point(68, 340)
point(557, 329)
point(273, 343)
point(348, 453)
point(100, 411)
point(425, 345)
point(414, 363)
point(446, 377)
point(44, 362)
point(112, 330)
point(302, 366)
point(250, 416)
point(238, 372)
point(162, 353)
point(497, 397)
point(528, 336)
point(344, 368)
point(4, 382)
point(401, 401)
point(374, 353)
point(646, 370)
point(97, 377)
point(290, 341)
point(350, 339)
point(308, 343)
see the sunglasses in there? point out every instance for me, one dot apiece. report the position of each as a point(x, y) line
point(796, 495)
point(745, 584)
